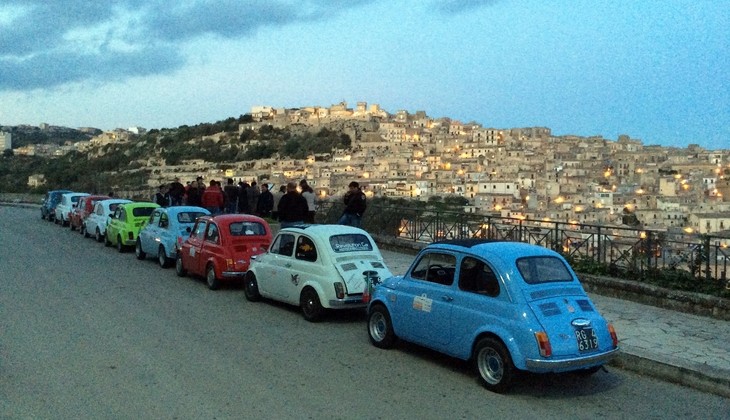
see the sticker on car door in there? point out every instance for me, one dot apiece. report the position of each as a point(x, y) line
point(422, 303)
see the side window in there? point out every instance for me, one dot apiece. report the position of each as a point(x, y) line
point(154, 217)
point(284, 245)
point(198, 230)
point(476, 276)
point(99, 210)
point(212, 234)
point(164, 220)
point(305, 249)
point(435, 267)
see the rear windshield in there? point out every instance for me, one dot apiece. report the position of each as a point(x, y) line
point(536, 270)
point(142, 211)
point(247, 229)
point(189, 216)
point(350, 242)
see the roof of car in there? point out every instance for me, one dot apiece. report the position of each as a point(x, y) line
point(324, 229)
point(513, 249)
point(183, 209)
point(232, 218)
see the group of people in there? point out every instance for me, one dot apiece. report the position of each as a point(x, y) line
point(288, 204)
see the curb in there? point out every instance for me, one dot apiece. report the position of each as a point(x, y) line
point(697, 376)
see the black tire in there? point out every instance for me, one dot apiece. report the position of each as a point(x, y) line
point(82, 230)
point(120, 244)
point(179, 267)
point(311, 306)
point(162, 257)
point(211, 279)
point(494, 364)
point(251, 288)
point(71, 226)
point(107, 242)
point(380, 327)
point(138, 250)
point(97, 236)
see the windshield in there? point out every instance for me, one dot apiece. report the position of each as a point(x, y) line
point(350, 242)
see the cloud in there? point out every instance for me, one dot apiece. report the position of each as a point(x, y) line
point(49, 43)
point(460, 6)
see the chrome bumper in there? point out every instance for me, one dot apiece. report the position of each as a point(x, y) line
point(348, 302)
point(542, 365)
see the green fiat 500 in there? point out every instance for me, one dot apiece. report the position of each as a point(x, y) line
point(125, 224)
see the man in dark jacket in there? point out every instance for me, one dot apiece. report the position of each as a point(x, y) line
point(355, 205)
point(266, 202)
point(292, 207)
point(177, 190)
point(231, 194)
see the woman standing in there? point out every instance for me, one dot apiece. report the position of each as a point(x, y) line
point(308, 194)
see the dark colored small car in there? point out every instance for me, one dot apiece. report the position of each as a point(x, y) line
point(48, 207)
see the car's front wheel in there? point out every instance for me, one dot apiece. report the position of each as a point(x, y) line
point(380, 327)
point(138, 252)
point(210, 278)
point(310, 304)
point(107, 241)
point(251, 288)
point(179, 267)
point(494, 364)
point(162, 257)
point(98, 236)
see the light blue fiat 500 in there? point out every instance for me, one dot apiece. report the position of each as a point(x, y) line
point(166, 230)
point(507, 306)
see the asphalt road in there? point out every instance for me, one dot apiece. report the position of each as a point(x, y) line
point(88, 333)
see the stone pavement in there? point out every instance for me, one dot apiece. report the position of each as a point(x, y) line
point(687, 349)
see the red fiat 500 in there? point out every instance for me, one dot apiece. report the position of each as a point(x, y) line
point(84, 208)
point(220, 247)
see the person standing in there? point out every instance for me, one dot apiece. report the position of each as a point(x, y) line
point(266, 202)
point(277, 197)
point(355, 205)
point(243, 197)
point(231, 195)
point(177, 190)
point(162, 198)
point(212, 198)
point(252, 195)
point(195, 192)
point(308, 194)
point(292, 207)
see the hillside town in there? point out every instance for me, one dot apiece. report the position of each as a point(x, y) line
point(524, 173)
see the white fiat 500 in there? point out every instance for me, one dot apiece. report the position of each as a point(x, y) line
point(66, 206)
point(317, 267)
point(98, 219)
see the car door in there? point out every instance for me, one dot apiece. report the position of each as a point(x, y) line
point(149, 235)
point(276, 278)
point(425, 299)
point(210, 247)
point(190, 251)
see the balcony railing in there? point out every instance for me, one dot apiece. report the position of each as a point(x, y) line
point(617, 251)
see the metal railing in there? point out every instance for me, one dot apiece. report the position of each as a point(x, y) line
point(618, 251)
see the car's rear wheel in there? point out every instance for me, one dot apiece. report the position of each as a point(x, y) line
point(494, 364)
point(138, 252)
point(120, 244)
point(310, 304)
point(97, 235)
point(210, 278)
point(251, 288)
point(162, 257)
point(71, 226)
point(82, 231)
point(380, 327)
point(107, 241)
point(179, 267)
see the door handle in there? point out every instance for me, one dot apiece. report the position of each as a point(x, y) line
point(447, 298)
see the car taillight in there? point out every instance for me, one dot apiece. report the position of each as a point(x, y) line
point(230, 264)
point(339, 290)
point(614, 337)
point(543, 343)
point(366, 294)
point(179, 242)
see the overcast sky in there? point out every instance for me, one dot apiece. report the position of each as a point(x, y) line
point(657, 70)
